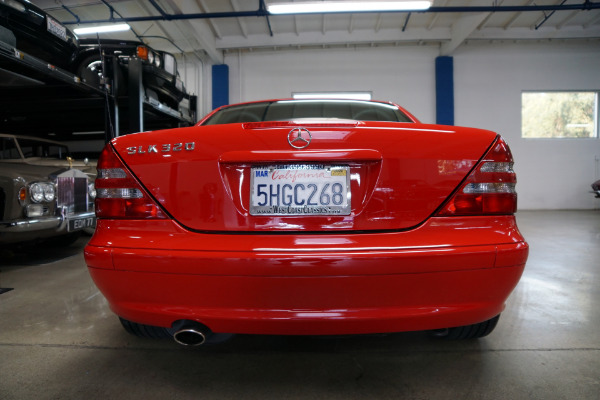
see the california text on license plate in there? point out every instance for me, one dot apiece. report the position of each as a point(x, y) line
point(56, 28)
point(303, 189)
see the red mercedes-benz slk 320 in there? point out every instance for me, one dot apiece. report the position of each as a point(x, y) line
point(307, 217)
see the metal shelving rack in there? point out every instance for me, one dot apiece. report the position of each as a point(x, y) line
point(40, 99)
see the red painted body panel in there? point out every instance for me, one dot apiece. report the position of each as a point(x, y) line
point(401, 172)
point(309, 284)
point(429, 241)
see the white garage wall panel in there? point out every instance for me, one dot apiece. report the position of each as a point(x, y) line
point(488, 81)
point(402, 75)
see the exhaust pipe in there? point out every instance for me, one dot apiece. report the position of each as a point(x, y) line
point(191, 333)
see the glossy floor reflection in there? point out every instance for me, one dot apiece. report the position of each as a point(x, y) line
point(58, 339)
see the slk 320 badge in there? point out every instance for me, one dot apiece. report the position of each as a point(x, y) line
point(161, 148)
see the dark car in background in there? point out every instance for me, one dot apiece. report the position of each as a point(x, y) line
point(32, 30)
point(43, 192)
point(596, 188)
point(160, 77)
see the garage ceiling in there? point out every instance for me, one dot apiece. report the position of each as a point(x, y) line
point(479, 20)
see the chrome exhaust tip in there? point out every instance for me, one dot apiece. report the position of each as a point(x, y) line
point(190, 333)
point(189, 337)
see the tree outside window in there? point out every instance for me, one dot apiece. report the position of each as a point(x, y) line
point(559, 114)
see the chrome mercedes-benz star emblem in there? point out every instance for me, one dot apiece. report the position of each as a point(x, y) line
point(299, 138)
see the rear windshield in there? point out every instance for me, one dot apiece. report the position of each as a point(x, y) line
point(286, 110)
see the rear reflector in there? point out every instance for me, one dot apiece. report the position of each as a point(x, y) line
point(489, 189)
point(118, 193)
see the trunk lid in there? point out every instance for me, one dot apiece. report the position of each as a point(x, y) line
point(397, 175)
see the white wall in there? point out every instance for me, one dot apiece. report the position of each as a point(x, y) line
point(488, 81)
point(403, 75)
point(552, 174)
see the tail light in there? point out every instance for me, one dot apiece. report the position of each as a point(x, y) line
point(489, 189)
point(119, 194)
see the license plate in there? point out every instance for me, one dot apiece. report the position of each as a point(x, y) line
point(56, 28)
point(305, 189)
point(76, 224)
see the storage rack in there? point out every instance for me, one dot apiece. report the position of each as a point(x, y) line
point(42, 100)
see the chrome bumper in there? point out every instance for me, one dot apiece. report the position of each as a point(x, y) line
point(27, 229)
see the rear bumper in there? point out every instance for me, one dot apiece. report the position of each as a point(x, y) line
point(310, 284)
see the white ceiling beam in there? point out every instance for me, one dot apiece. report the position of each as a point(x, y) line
point(241, 23)
point(544, 33)
point(296, 26)
point(517, 15)
point(461, 30)
point(485, 21)
point(392, 35)
point(332, 37)
point(435, 17)
point(562, 23)
point(202, 32)
point(145, 6)
point(210, 22)
point(378, 23)
point(592, 21)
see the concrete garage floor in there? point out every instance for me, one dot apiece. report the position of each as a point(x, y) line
point(59, 340)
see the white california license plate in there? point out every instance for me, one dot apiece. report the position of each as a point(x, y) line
point(303, 189)
point(56, 28)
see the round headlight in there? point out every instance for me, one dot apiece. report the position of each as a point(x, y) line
point(151, 57)
point(92, 191)
point(49, 193)
point(157, 60)
point(36, 192)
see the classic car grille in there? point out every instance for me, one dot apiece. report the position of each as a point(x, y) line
point(72, 193)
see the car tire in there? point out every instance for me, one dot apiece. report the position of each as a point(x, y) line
point(90, 70)
point(146, 331)
point(474, 331)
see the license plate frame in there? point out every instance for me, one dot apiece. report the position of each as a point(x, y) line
point(300, 190)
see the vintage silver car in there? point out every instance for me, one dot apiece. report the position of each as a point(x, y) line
point(44, 193)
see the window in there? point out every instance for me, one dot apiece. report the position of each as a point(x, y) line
point(333, 95)
point(559, 114)
point(8, 149)
point(285, 110)
point(34, 148)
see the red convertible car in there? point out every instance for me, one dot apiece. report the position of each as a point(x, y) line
point(307, 217)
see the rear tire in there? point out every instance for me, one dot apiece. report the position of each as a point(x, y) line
point(474, 331)
point(146, 331)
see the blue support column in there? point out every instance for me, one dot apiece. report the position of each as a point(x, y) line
point(220, 85)
point(444, 90)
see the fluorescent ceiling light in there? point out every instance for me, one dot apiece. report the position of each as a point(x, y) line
point(333, 95)
point(102, 29)
point(307, 7)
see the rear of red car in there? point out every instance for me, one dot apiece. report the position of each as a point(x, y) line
point(307, 218)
